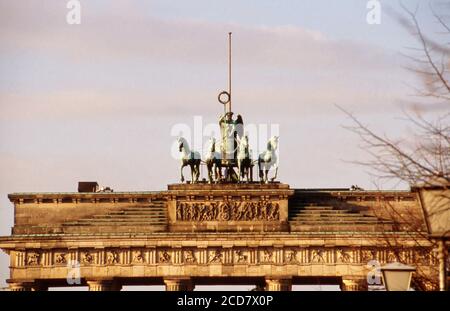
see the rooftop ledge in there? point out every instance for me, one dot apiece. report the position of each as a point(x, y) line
point(212, 188)
point(292, 234)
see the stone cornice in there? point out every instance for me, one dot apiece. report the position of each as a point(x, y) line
point(70, 197)
point(209, 190)
point(217, 239)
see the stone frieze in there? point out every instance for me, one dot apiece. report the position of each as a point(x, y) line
point(227, 211)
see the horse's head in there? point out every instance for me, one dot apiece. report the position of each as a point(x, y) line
point(181, 141)
point(244, 141)
point(212, 144)
point(273, 143)
point(243, 144)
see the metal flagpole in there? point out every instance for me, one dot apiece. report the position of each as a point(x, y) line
point(229, 70)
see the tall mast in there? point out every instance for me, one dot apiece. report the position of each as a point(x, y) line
point(229, 70)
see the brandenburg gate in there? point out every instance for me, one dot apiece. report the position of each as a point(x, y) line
point(267, 235)
point(227, 230)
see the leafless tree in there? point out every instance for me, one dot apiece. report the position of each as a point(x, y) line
point(423, 157)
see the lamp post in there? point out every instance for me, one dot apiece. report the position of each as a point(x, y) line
point(397, 276)
point(434, 199)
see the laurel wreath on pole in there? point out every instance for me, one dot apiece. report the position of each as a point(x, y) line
point(222, 100)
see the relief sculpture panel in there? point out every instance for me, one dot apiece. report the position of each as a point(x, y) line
point(228, 211)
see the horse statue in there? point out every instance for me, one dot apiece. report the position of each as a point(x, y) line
point(244, 161)
point(213, 162)
point(267, 159)
point(191, 158)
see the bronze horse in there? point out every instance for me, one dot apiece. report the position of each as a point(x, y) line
point(191, 158)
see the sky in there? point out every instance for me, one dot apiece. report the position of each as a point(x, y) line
point(98, 101)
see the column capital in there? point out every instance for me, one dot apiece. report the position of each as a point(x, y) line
point(278, 283)
point(103, 285)
point(353, 284)
point(178, 284)
point(26, 285)
point(20, 287)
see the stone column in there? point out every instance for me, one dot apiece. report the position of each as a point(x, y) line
point(101, 285)
point(353, 284)
point(442, 258)
point(20, 287)
point(179, 284)
point(278, 284)
point(27, 286)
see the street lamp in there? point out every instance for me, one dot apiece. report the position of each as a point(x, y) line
point(434, 199)
point(397, 276)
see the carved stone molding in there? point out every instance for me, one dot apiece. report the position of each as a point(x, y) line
point(227, 211)
point(112, 257)
point(344, 255)
point(33, 258)
point(241, 256)
point(60, 258)
point(215, 256)
point(138, 257)
point(279, 255)
point(290, 256)
point(164, 256)
point(190, 257)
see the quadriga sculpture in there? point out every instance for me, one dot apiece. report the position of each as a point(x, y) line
point(267, 160)
point(244, 161)
point(191, 158)
point(213, 162)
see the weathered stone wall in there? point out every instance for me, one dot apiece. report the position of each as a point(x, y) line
point(402, 206)
point(228, 207)
point(45, 213)
point(209, 255)
point(163, 238)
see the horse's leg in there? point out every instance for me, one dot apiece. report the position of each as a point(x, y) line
point(213, 173)
point(239, 170)
point(219, 170)
point(276, 173)
point(261, 175)
point(197, 171)
point(181, 170)
point(266, 175)
point(192, 172)
point(209, 166)
point(216, 172)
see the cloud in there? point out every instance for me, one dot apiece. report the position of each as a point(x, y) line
point(123, 61)
point(122, 31)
